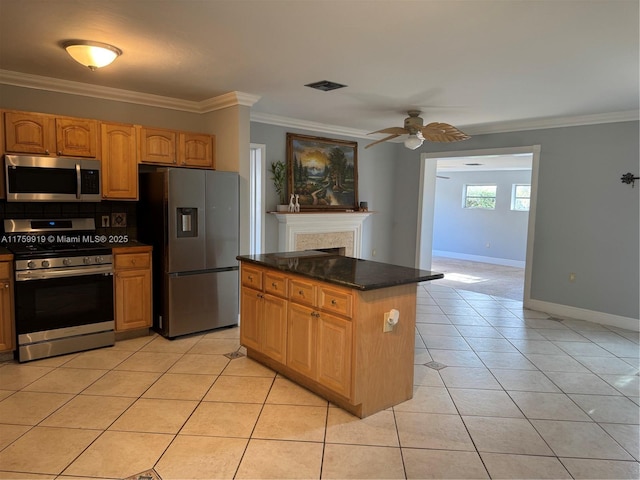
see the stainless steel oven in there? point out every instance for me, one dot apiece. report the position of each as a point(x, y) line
point(63, 287)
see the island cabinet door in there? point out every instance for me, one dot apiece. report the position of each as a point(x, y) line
point(250, 308)
point(274, 324)
point(302, 335)
point(334, 353)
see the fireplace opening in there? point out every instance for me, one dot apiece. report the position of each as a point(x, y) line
point(333, 250)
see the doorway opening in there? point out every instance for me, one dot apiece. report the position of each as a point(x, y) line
point(480, 238)
point(257, 173)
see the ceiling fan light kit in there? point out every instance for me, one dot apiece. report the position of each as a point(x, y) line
point(93, 55)
point(418, 132)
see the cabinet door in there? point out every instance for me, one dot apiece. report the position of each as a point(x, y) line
point(196, 150)
point(119, 162)
point(158, 146)
point(76, 137)
point(301, 340)
point(250, 308)
point(334, 353)
point(274, 323)
point(29, 133)
point(6, 308)
point(133, 299)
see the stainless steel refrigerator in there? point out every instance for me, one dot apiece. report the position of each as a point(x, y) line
point(191, 218)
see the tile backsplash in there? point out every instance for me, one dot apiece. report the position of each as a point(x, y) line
point(77, 210)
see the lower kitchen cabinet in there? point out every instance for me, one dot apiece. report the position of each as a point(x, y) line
point(7, 340)
point(264, 315)
point(132, 288)
point(329, 338)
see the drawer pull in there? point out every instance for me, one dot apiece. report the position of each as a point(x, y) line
point(250, 278)
point(333, 302)
point(301, 293)
point(274, 285)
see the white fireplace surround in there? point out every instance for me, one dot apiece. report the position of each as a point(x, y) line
point(306, 231)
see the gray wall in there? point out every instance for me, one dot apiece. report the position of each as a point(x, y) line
point(376, 168)
point(466, 231)
point(587, 221)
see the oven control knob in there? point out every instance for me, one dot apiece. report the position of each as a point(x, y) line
point(31, 264)
point(45, 264)
point(86, 260)
point(66, 261)
point(99, 259)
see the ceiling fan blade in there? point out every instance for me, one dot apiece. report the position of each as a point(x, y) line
point(381, 140)
point(442, 132)
point(442, 176)
point(397, 131)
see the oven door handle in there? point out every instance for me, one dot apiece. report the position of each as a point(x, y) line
point(23, 276)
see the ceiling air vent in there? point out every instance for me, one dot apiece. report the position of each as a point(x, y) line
point(325, 85)
point(473, 164)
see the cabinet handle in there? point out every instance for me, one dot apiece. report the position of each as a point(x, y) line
point(301, 293)
point(250, 278)
point(274, 285)
point(333, 302)
point(46, 152)
point(59, 153)
point(260, 295)
point(6, 285)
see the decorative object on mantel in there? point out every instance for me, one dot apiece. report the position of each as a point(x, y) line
point(418, 132)
point(323, 172)
point(297, 204)
point(629, 178)
point(364, 207)
point(279, 177)
point(292, 206)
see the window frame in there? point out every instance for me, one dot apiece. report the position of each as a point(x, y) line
point(515, 197)
point(465, 196)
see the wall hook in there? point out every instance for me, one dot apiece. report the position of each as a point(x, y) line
point(628, 178)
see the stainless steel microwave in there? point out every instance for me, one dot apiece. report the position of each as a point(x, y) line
point(52, 179)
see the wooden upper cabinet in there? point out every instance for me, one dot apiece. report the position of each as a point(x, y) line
point(183, 149)
point(29, 133)
point(119, 161)
point(196, 150)
point(158, 146)
point(76, 137)
point(42, 134)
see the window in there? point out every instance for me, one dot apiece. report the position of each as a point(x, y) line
point(480, 196)
point(520, 197)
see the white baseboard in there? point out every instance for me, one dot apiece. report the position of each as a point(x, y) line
point(566, 311)
point(479, 258)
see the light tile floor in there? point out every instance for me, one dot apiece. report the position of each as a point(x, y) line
point(520, 396)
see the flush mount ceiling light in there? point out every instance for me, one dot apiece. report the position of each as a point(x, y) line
point(92, 54)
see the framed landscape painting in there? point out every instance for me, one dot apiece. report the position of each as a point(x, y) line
point(323, 172)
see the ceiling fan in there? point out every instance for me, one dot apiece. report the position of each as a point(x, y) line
point(418, 132)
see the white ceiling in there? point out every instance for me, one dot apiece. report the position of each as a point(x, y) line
point(479, 65)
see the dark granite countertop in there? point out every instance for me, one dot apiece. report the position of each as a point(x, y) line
point(340, 270)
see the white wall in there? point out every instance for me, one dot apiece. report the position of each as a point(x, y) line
point(494, 236)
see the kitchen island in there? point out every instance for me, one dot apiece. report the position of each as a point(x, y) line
point(340, 326)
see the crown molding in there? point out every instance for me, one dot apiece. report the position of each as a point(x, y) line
point(107, 93)
point(551, 122)
point(290, 122)
point(246, 99)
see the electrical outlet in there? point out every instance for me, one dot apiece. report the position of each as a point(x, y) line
point(105, 220)
point(572, 277)
point(388, 326)
point(119, 219)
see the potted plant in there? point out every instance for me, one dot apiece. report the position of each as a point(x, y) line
point(279, 177)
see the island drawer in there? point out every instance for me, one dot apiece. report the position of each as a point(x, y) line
point(252, 277)
point(275, 284)
point(335, 301)
point(302, 292)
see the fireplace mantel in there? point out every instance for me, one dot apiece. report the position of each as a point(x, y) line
point(327, 229)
